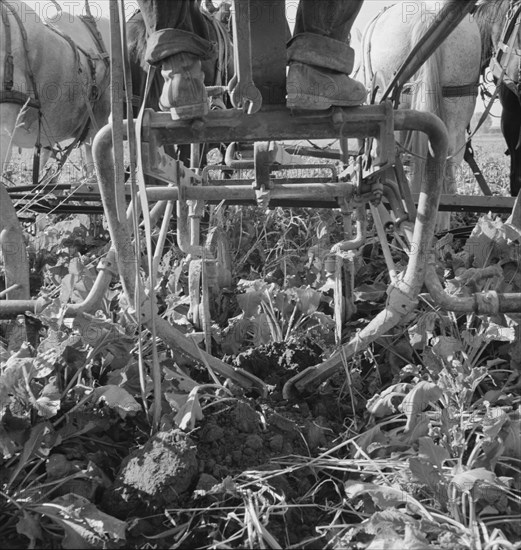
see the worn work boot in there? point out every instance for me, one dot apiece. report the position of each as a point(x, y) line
point(314, 88)
point(184, 93)
point(318, 74)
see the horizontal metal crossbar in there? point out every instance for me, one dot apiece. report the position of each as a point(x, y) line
point(474, 203)
point(275, 124)
point(318, 194)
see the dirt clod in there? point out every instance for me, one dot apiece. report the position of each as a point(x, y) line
point(245, 418)
point(276, 443)
point(154, 477)
point(254, 442)
point(206, 482)
point(212, 433)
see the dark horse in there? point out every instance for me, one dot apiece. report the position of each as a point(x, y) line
point(491, 16)
point(511, 128)
point(217, 73)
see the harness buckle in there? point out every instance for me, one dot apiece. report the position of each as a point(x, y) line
point(94, 93)
point(8, 73)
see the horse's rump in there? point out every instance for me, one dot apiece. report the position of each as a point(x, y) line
point(59, 66)
point(445, 82)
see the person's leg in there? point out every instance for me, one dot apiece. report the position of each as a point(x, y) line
point(320, 57)
point(173, 14)
point(178, 40)
point(332, 18)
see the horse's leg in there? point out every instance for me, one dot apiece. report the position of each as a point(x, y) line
point(515, 165)
point(45, 155)
point(12, 245)
point(418, 151)
point(11, 136)
point(88, 166)
point(320, 58)
point(8, 118)
point(457, 112)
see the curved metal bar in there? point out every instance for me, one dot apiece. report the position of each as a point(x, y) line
point(12, 246)
point(403, 294)
point(127, 265)
point(392, 194)
point(482, 303)
point(361, 233)
point(9, 289)
point(118, 227)
point(235, 163)
point(106, 270)
point(9, 309)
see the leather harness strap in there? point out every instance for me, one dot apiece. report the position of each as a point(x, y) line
point(221, 75)
point(8, 62)
point(7, 92)
point(90, 23)
point(15, 96)
point(508, 37)
point(463, 90)
point(468, 157)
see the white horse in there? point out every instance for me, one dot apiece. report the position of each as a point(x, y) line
point(54, 79)
point(446, 84)
point(54, 86)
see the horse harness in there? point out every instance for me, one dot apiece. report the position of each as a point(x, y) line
point(506, 47)
point(94, 88)
point(223, 47)
point(8, 95)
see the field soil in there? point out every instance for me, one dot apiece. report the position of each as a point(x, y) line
point(413, 444)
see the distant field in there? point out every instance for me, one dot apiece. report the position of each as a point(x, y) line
point(489, 152)
point(493, 140)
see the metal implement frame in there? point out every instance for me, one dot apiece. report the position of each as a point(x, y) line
point(267, 123)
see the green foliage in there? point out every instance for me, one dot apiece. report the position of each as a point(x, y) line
point(445, 434)
point(432, 463)
point(281, 245)
point(272, 314)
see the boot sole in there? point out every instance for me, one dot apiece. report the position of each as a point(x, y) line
point(308, 102)
point(187, 112)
